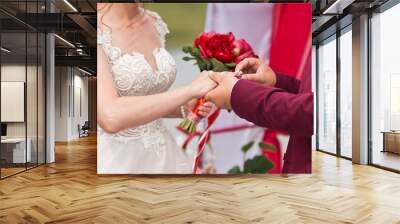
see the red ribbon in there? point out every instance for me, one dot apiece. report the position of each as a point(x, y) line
point(204, 138)
point(205, 135)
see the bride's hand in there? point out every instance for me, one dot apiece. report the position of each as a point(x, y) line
point(204, 110)
point(201, 85)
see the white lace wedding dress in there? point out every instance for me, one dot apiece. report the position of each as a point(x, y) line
point(150, 148)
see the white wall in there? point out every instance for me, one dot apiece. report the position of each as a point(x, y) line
point(61, 103)
point(71, 87)
point(33, 126)
point(12, 73)
point(80, 109)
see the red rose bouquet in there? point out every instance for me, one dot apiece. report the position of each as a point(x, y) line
point(214, 52)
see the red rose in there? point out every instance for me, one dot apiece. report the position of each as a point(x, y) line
point(201, 42)
point(243, 50)
point(219, 46)
point(242, 46)
point(248, 54)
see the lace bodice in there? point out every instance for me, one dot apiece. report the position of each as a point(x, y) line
point(134, 76)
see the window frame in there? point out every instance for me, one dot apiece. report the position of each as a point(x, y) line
point(31, 30)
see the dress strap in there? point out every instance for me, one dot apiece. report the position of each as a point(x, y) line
point(105, 40)
point(160, 25)
point(102, 39)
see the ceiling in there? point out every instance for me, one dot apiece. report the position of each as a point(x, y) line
point(331, 15)
point(74, 22)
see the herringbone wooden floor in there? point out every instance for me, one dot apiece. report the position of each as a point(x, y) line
point(69, 191)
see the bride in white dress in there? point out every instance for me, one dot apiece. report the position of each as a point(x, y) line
point(134, 73)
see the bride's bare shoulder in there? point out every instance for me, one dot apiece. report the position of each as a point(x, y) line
point(159, 22)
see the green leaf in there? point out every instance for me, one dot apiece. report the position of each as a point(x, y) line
point(195, 52)
point(186, 58)
point(192, 50)
point(268, 147)
point(235, 170)
point(246, 147)
point(230, 65)
point(218, 66)
point(209, 65)
point(202, 64)
point(258, 164)
point(187, 49)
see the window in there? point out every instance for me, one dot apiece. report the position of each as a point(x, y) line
point(346, 93)
point(327, 96)
point(314, 90)
point(22, 77)
point(385, 89)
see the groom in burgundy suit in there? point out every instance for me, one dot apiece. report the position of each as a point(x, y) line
point(274, 101)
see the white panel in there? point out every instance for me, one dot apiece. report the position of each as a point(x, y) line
point(12, 101)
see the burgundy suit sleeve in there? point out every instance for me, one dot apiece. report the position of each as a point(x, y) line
point(288, 83)
point(273, 107)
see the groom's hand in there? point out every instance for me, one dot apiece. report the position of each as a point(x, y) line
point(255, 69)
point(221, 95)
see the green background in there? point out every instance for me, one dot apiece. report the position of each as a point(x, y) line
point(185, 21)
